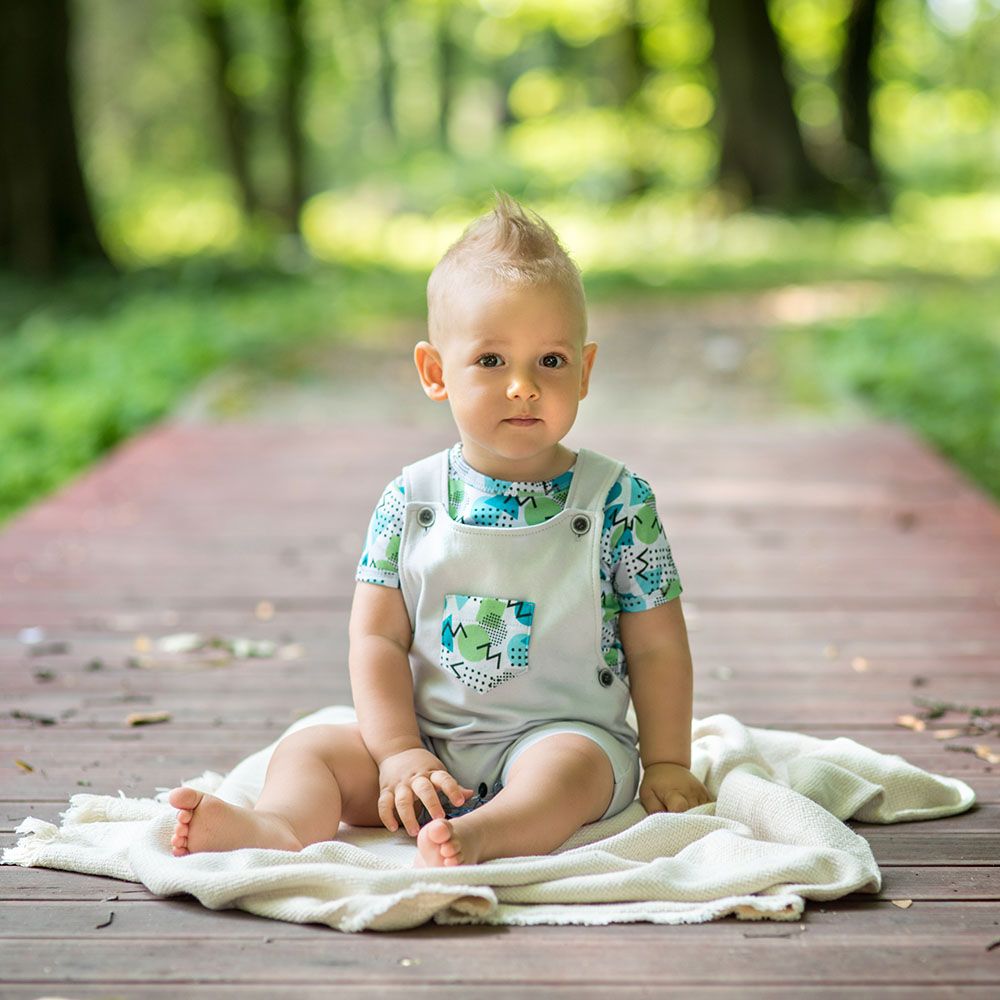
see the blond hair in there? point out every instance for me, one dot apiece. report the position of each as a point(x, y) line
point(507, 247)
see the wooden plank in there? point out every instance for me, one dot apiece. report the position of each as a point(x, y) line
point(186, 917)
point(517, 991)
point(708, 956)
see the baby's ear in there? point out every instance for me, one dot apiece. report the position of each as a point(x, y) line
point(428, 362)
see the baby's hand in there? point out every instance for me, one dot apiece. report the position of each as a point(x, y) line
point(414, 772)
point(670, 788)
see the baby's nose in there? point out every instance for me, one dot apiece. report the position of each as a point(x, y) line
point(521, 386)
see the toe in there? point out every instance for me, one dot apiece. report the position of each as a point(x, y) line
point(184, 816)
point(439, 831)
point(184, 798)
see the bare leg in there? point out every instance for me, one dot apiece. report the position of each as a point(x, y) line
point(315, 778)
point(553, 788)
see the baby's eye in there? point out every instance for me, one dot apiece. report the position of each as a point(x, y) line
point(485, 357)
point(558, 357)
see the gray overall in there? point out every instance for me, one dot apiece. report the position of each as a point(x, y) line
point(507, 630)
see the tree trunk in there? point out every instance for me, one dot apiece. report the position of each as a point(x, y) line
point(856, 88)
point(290, 110)
point(634, 71)
point(763, 158)
point(46, 223)
point(386, 67)
point(447, 64)
point(235, 119)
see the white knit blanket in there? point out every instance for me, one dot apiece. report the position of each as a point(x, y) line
point(772, 838)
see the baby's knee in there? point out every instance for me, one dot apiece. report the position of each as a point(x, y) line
point(313, 741)
point(579, 756)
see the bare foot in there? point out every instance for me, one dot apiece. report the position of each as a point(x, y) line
point(441, 843)
point(205, 823)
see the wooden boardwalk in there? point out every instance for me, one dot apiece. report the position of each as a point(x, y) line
point(831, 575)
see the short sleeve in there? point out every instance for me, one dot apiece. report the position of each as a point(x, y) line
point(380, 558)
point(642, 566)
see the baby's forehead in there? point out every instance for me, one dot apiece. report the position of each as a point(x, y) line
point(479, 320)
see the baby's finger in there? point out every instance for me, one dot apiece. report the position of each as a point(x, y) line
point(651, 803)
point(421, 784)
point(451, 788)
point(385, 810)
point(676, 803)
point(404, 807)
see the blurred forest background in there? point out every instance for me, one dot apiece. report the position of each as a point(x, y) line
point(189, 183)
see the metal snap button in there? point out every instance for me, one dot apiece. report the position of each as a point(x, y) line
point(425, 516)
point(580, 524)
point(605, 677)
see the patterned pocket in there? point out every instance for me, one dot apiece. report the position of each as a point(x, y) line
point(484, 640)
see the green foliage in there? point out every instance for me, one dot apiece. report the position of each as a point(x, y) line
point(541, 103)
point(98, 362)
point(929, 358)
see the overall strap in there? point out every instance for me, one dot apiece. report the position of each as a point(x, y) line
point(593, 477)
point(426, 481)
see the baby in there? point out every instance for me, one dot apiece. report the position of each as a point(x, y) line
point(513, 596)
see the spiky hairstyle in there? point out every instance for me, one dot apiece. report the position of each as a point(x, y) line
point(509, 246)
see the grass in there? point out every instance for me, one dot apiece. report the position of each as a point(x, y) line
point(929, 357)
point(98, 361)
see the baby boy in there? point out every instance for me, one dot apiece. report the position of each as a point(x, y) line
point(512, 598)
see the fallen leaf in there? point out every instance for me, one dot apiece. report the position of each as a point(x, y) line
point(903, 904)
point(23, 765)
point(911, 722)
point(142, 644)
point(830, 651)
point(146, 718)
point(264, 611)
point(946, 734)
point(859, 665)
point(292, 651)
point(45, 720)
point(985, 752)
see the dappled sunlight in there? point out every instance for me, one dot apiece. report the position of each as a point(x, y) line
point(166, 221)
point(661, 237)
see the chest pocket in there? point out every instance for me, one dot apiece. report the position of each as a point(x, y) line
point(485, 640)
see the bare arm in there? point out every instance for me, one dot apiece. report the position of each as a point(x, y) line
point(659, 667)
point(382, 687)
point(381, 682)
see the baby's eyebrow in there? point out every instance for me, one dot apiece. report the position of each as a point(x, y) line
point(499, 344)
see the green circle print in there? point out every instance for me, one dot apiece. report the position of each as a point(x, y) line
point(647, 527)
point(473, 642)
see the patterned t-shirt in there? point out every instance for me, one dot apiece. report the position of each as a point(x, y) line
point(637, 568)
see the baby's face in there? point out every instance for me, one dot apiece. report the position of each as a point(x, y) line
point(510, 353)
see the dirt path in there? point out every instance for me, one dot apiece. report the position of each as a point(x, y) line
point(699, 360)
